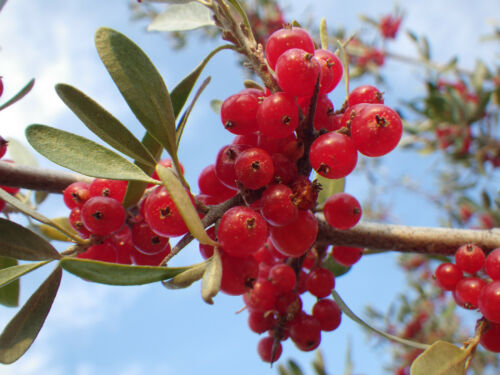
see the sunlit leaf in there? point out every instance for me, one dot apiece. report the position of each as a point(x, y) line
point(329, 187)
point(7, 275)
point(21, 154)
point(186, 278)
point(9, 294)
point(20, 243)
point(117, 274)
point(181, 17)
point(82, 155)
point(54, 234)
point(184, 204)
point(26, 89)
point(23, 329)
point(104, 124)
point(441, 358)
point(212, 277)
point(345, 309)
point(140, 84)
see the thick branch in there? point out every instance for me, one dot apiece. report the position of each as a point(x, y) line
point(37, 178)
point(403, 238)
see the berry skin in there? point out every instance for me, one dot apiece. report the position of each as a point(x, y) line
point(365, 94)
point(260, 322)
point(103, 215)
point(238, 274)
point(241, 231)
point(297, 237)
point(346, 256)
point(377, 130)
point(448, 275)
point(489, 301)
point(467, 291)
point(491, 338)
point(1, 86)
point(324, 115)
point(146, 241)
point(285, 39)
point(262, 296)
point(167, 163)
point(75, 220)
point(209, 184)
point(328, 314)
point(3, 143)
point(331, 70)
point(115, 189)
point(224, 164)
point(283, 277)
point(277, 205)
point(342, 211)
point(104, 252)
point(305, 332)
point(76, 194)
point(142, 259)
point(469, 258)
point(254, 168)
point(278, 116)
point(333, 155)
point(492, 264)
point(265, 349)
point(320, 282)
point(297, 72)
point(238, 113)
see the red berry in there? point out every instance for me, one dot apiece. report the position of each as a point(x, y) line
point(103, 215)
point(76, 194)
point(283, 277)
point(389, 26)
point(142, 259)
point(297, 72)
point(277, 205)
point(342, 211)
point(75, 220)
point(209, 184)
point(147, 241)
point(224, 164)
point(492, 264)
point(104, 252)
point(489, 301)
point(331, 70)
point(365, 94)
point(207, 251)
point(254, 168)
point(491, 338)
point(262, 296)
point(238, 274)
point(297, 237)
point(469, 258)
point(320, 282)
point(265, 349)
point(241, 231)
point(346, 256)
point(285, 39)
point(278, 116)
point(261, 321)
point(3, 142)
point(377, 130)
point(448, 275)
point(333, 155)
point(167, 163)
point(108, 188)
point(305, 332)
point(323, 117)
point(238, 113)
point(327, 313)
point(285, 170)
point(467, 291)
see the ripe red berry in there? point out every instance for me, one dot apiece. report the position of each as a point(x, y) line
point(342, 211)
point(491, 338)
point(254, 168)
point(261, 321)
point(104, 252)
point(265, 349)
point(207, 251)
point(305, 332)
point(323, 117)
point(489, 301)
point(448, 275)
point(277, 205)
point(333, 155)
point(467, 291)
point(327, 313)
point(262, 296)
point(278, 116)
point(389, 26)
point(492, 264)
point(115, 189)
point(283, 277)
point(469, 258)
point(209, 184)
point(377, 130)
point(331, 70)
point(103, 215)
point(241, 231)
point(224, 164)
point(285, 170)
point(147, 241)
point(297, 237)
point(167, 163)
point(297, 72)
point(75, 220)
point(238, 113)
point(1, 86)
point(238, 274)
point(320, 282)
point(346, 256)
point(285, 39)
point(3, 142)
point(365, 94)
point(76, 194)
point(142, 259)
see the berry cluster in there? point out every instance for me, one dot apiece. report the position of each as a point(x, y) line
point(478, 289)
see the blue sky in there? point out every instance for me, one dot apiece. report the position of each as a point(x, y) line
point(95, 329)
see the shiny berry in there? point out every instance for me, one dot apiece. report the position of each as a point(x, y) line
point(346, 256)
point(278, 116)
point(254, 168)
point(470, 258)
point(277, 205)
point(365, 94)
point(492, 264)
point(297, 72)
point(265, 349)
point(285, 39)
point(320, 282)
point(238, 113)
point(448, 275)
point(327, 313)
point(103, 215)
point(331, 70)
point(76, 194)
point(333, 155)
point(467, 291)
point(489, 301)
point(342, 211)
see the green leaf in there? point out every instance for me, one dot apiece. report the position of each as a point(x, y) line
point(117, 274)
point(24, 208)
point(185, 116)
point(104, 124)
point(23, 329)
point(441, 358)
point(9, 294)
point(26, 89)
point(40, 196)
point(21, 154)
point(319, 364)
point(55, 234)
point(182, 17)
point(212, 277)
point(187, 278)
point(345, 309)
point(216, 105)
point(334, 267)
point(323, 34)
point(82, 155)
point(7, 275)
point(184, 204)
point(328, 188)
point(140, 84)
point(181, 92)
point(20, 243)
point(345, 64)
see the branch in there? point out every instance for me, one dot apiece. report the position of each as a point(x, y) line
point(36, 178)
point(406, 239)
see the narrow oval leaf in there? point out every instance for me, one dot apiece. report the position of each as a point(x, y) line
point(181, 92)
point(21, 154)
point(20, 243)
point(328, 188)
point(9, 294)
point(181, 17)
point(184, 204)
point(345, 309)
point(10, 274)
point(323, 34)
point(139, 83)
point(336, 268)
point(186, 278)
point(55, 234)
point(24, 208)
point(26, 89)
point(104, 124)
point(117, 274)
point(210, 284)
point(82, 155)
point(23, 329)
point(441, 358)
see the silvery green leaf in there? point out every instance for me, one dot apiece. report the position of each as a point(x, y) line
point(178, 17)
